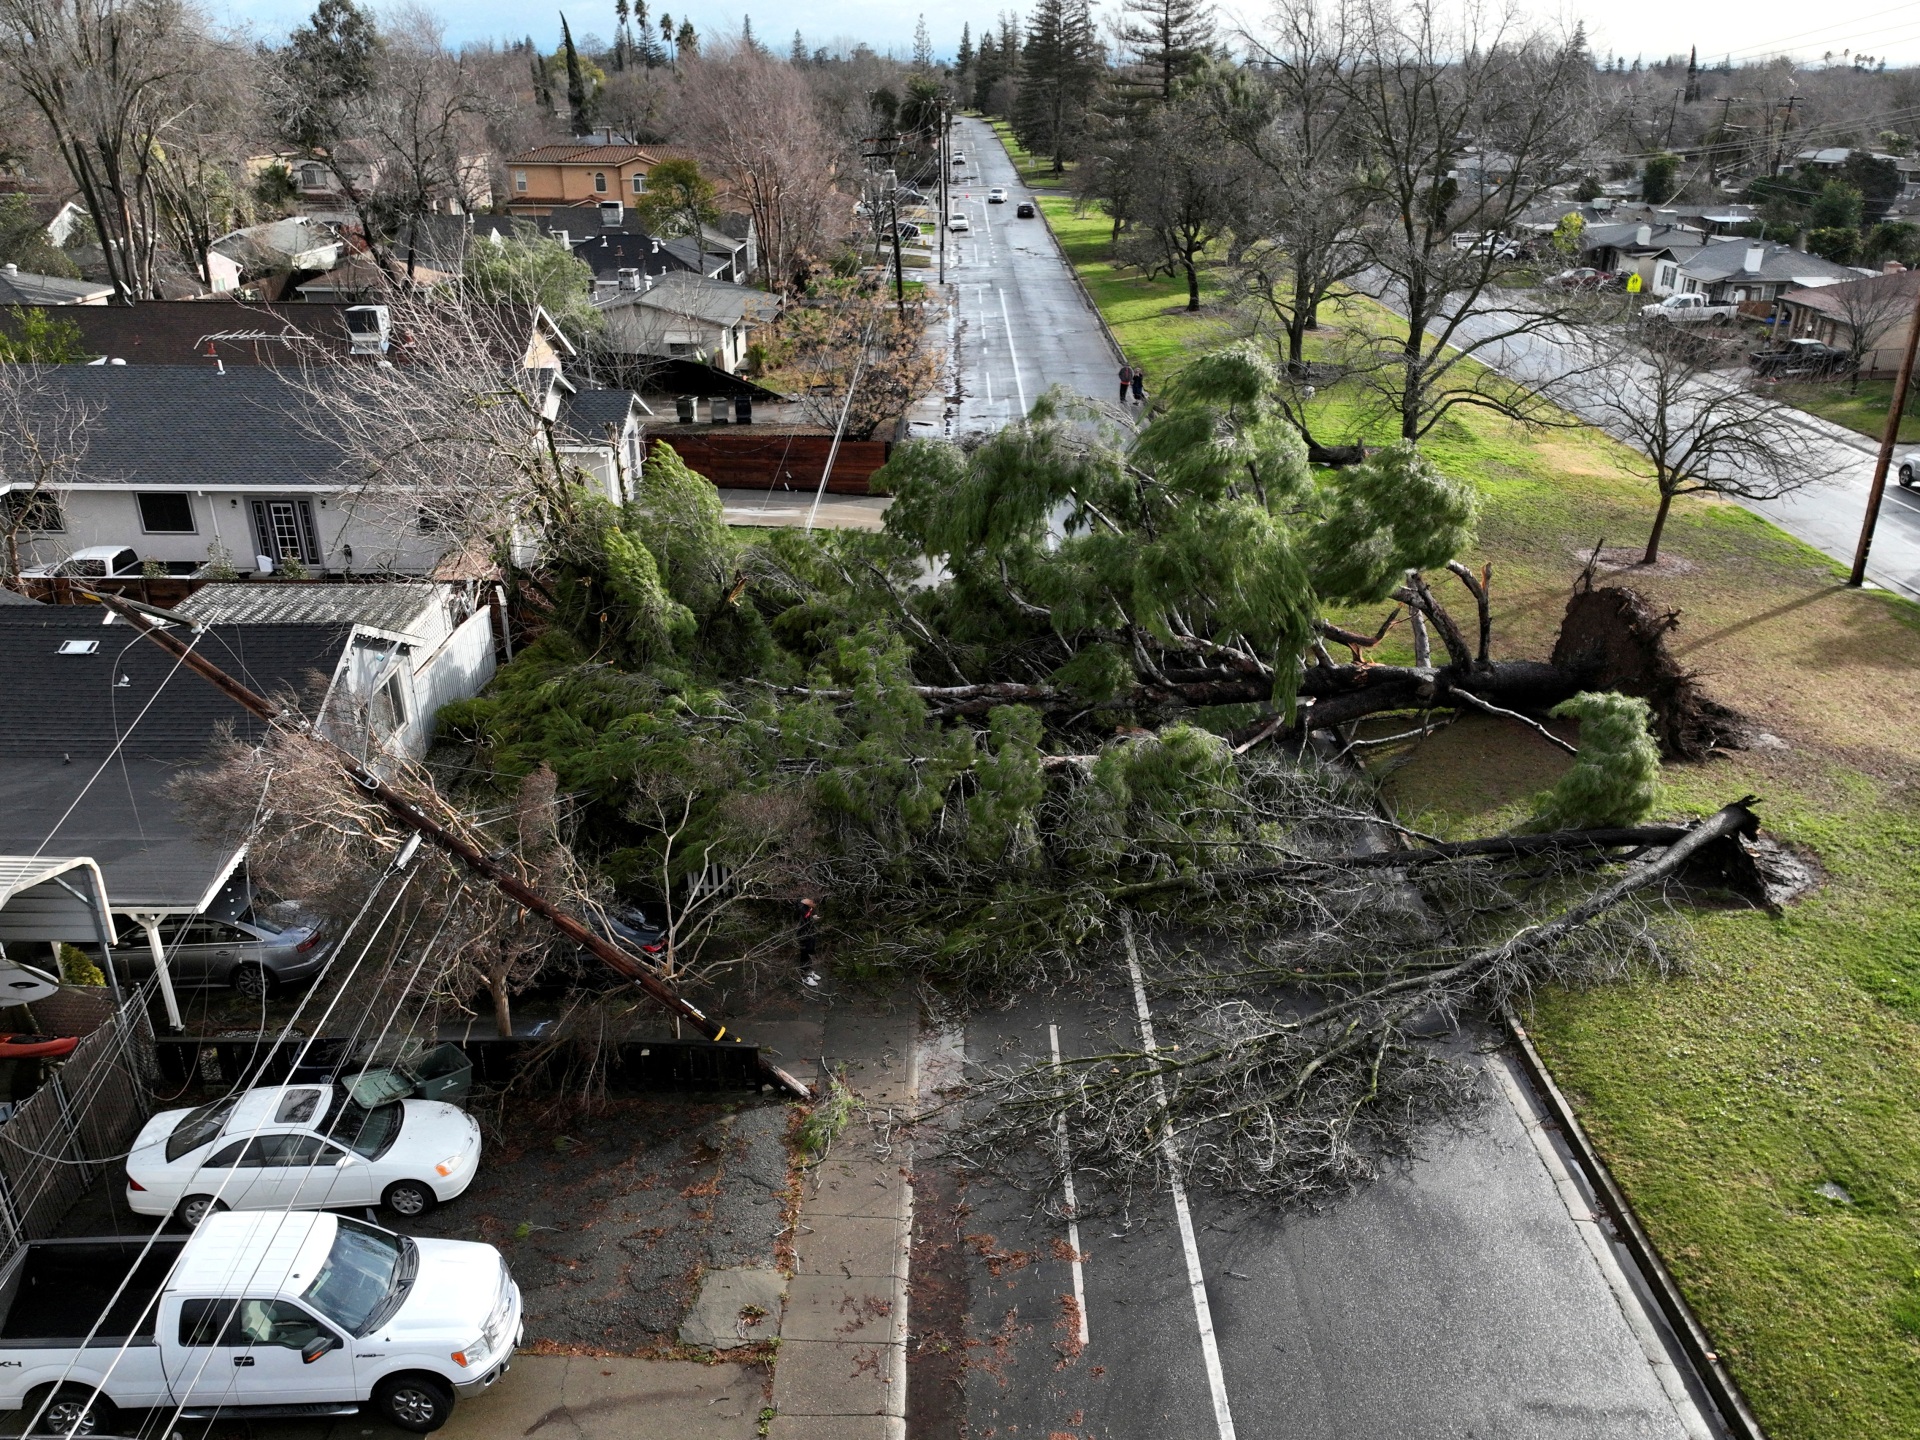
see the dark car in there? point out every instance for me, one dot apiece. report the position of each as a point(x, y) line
point(1024, 210)
point(628, 928)
point(1799, 358)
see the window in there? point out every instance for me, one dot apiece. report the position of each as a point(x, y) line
point(39, 512)
point(166, 514)
point(640, 184)
point(520, 181)
point(389, 705)
point(280, 1151)
point(227, 1157)
point(284, 531)
point(312, 177)
point(363, 1277)
point(297, 1107)
point(199, 1127)
point(201, 1321)
point(272, 1322)
point(600, 181)
point(78, 647)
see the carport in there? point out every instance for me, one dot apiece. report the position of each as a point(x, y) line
point(55, 900)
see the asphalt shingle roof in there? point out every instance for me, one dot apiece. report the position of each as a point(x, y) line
point(23, 287)
point(183, 426)
point(717, 301)
point(1726, 259)
point(61, 715)
point(588, 414)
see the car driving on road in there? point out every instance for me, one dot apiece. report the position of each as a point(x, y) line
point(1024, 210)
point(1798, 357)
point(1910, 470)
point(957, 223)
point(307, 1147)
point(997, 196)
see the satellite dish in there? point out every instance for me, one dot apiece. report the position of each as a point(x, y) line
point(22, 984)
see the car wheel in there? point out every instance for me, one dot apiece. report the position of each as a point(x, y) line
point(409, 1199)
point(254, 982)
point(76, 1410)
point(418, 1403)
point(1906, 475)
point(195, 1208)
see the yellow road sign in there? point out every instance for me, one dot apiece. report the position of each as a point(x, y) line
point(1633, 285)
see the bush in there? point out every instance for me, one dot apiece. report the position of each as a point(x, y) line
point(1615, 779)
point(77, 967)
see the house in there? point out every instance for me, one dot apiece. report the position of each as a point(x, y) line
point(23, 287)
point(1653, 252)
point(373, 663)
point(687, 317)
point(319, 193)
point(1733, 271)
point(184, 332)
point(582, 172)
point(205, 465)
point(359, 280)
point(1880, 305)
point(281, 247)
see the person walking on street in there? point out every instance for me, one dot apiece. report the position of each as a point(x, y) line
point(1139, 386)
point(1126, 379)
point(808, 928)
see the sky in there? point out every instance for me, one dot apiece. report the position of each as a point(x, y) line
point(1746, 29)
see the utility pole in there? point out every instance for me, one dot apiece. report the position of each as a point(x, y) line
point(1888, 439)
point(422, 824)
point(942, 153)
point(899, 280)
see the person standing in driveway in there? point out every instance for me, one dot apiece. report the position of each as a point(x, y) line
point(808, 927)
point(1139, 386)
point(1126, 380)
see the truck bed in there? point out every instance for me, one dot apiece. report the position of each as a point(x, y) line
point(52, 1291)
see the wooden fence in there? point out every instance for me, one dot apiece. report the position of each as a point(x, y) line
point(76, 1127)
point(746, 458)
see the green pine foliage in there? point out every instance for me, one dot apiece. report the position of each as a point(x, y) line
point(1615, 779)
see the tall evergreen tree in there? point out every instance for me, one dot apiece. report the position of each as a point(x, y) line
point(1166, 36)
point(686, 40)
point(747, 40)
point(647, 51)
point(622, 37)
point(963, 69)
point(922, 45)
point(1059, 71)
point(798, 54)
point(577, 115)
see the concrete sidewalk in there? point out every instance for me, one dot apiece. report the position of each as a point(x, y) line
point(842, 1369)
point(790, 508)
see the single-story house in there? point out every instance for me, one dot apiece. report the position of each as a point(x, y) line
point(359, 280)
point(1653, 252)
point(1732, 271)
point(23, 287)
point(1880, 305)
point(687, 317)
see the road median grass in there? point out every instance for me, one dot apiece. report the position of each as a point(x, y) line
point(1862, 409)
point(1757, 1100)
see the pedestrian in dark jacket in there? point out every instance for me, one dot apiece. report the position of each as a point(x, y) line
point(1126, 378)
point(808, 932)
point(1139, 386)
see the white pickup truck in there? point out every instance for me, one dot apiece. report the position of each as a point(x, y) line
point(264, 1315)
point(1690, 310)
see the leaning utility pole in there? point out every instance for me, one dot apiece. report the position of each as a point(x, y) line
point(417, 820)
point(1889, 437)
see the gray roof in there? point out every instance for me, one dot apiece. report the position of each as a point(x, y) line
point(711, 300)
point(393, 605)
point(184, 426)
point(588, 414)
point(1727, 260)
point(23, 287)
point(62, 714)
point(1626, 236)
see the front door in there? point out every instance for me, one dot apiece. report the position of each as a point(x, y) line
point(254, 1353)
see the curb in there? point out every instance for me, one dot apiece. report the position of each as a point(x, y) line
point(1732, 1406)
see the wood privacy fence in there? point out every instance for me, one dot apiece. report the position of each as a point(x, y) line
point(76, 1126)
point(746, 458)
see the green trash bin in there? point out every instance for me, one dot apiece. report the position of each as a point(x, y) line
point(442, 1073)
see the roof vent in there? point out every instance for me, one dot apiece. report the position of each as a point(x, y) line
point(78, 647)
point(367, 329)
point(628, 279)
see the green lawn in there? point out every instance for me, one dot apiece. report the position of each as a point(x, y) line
point(1863, 408)
point(1787, 1057)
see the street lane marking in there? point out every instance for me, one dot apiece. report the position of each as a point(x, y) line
point(1196, 1277)
point(1013, 353)
point(1073, 1209)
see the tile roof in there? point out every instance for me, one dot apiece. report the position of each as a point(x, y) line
point(61, 715)
point(582, 155)
point(184, 426)
point(394, 605)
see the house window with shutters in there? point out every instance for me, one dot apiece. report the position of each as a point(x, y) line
point(284, 531)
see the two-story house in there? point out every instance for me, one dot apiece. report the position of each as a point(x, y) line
point(582, 172)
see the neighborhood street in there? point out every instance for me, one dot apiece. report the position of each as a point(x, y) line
point(1019, 320)
point(1826, 514)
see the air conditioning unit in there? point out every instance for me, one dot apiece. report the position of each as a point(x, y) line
point(613, 214)
point(368, 327)
point(628, 279)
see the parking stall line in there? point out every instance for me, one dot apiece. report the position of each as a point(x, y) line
point(1073, 1209)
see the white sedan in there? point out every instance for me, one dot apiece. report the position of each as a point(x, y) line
point(306, 1147)
point(957, 223)
point(997, 195)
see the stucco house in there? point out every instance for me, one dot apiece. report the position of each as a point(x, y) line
point(582, 172)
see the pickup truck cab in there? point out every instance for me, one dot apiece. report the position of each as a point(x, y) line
point(1690, 310)
point(276, 1315)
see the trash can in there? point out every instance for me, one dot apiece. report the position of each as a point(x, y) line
point(743, 409)
point(442, 1073)
point(683, 409)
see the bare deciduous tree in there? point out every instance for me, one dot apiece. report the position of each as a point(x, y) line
point(43, 443)
point(857, 354)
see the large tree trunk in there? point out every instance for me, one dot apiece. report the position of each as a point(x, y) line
point(1193, 286)
point(1659, 525)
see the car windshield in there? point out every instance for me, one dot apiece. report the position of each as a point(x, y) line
point(199, 1127)
point(364, 1277)
point(366, 1132)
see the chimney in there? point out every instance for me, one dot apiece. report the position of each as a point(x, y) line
point(1643, 236)
point(563, 237)
point(1892, 267)
point(605, 289)
point(1756, 257)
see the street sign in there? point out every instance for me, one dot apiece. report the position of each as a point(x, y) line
point(1633, 284)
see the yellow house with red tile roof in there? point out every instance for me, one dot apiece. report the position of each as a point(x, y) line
point(550, 176)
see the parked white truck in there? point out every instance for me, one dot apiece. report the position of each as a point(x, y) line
point(1690, 310)
point(264, 1315)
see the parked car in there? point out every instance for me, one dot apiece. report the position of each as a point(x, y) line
point(907, 231)
point(1583, 278)
point(308, 1147)
point(1910, 470)
point(1799, 358)
point(1691, 310)
point(1024, 210)
point(254, 1317)
point(957, 223)
point(959, 158)
point(94, 562)
point(253, 949)
point(997, 195)
point(628, 926)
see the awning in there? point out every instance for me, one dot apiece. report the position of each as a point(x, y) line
point(51, 898)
